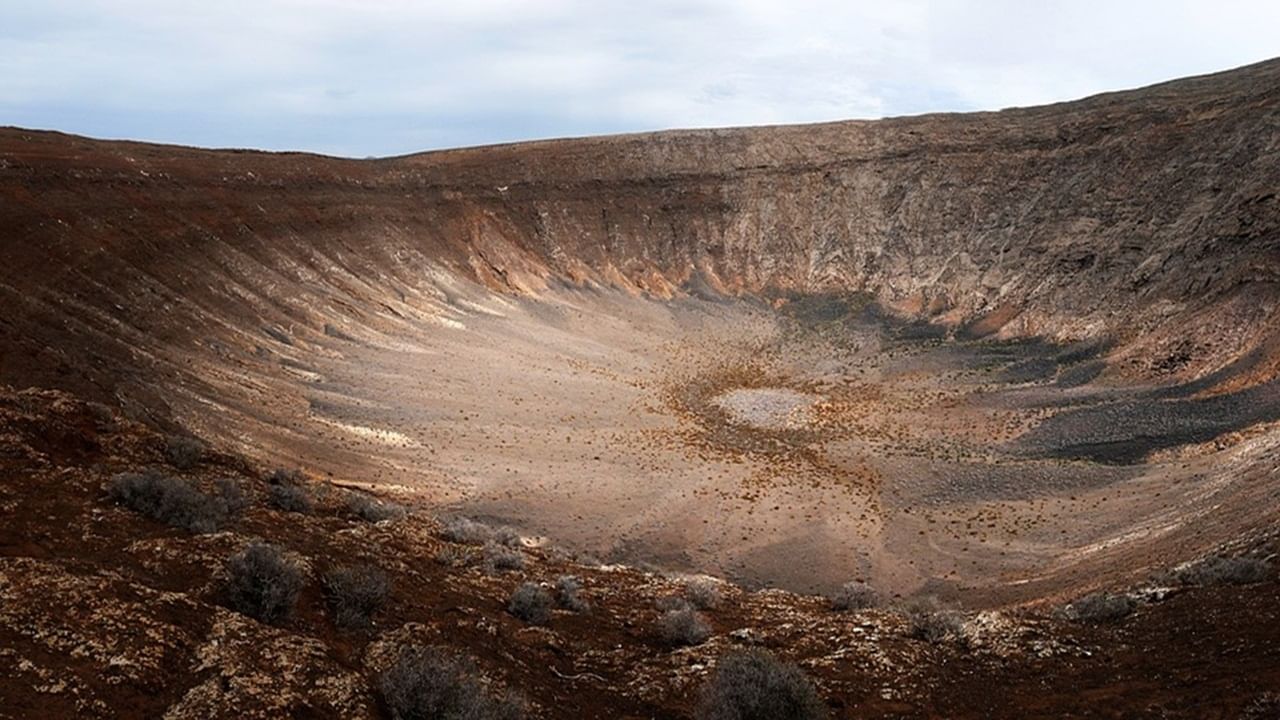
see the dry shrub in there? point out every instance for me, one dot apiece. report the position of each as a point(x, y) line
point(175, 501)
point(531, 603)
point(755, 685)
point(355, 594)
point(702, 593)
point(262, 583)
point(291, 498)
point(854, 596)
point(183, 451)
point(1099, 607)
point(429, 683)
point(683, 627)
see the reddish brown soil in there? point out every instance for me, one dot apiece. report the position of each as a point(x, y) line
point(107, 614)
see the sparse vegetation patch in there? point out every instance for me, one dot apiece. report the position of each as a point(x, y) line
point(175, 501)
point(1219, 570)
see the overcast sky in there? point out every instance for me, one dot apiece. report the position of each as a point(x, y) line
point(379, 77)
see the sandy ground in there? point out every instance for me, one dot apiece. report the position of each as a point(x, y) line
point(788, 447)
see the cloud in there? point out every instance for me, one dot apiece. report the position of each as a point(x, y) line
point(391, 76)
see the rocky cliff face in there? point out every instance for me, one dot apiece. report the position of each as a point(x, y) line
point(1108, 216)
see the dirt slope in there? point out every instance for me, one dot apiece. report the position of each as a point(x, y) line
point(108, 614)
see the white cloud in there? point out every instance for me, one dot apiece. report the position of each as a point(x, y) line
point(381, 76)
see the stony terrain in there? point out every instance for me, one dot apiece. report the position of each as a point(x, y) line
point(992, 361)
point(104, 613)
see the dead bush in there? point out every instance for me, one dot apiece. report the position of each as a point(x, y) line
point(568, 589)
point(667, 603)
point(104, 418)
point(372, 509)
point(1263, 707)
point(1220, 570)
point(504, 535)
point(929, 622)
point(281, 476)
point(469, 532)
point(458, 557)
point(232, 493)
point(1098, 607)
point(500, 558)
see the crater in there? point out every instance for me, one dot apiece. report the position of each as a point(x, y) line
point(975, 355)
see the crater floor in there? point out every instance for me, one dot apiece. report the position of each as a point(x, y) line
point(800, 446)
